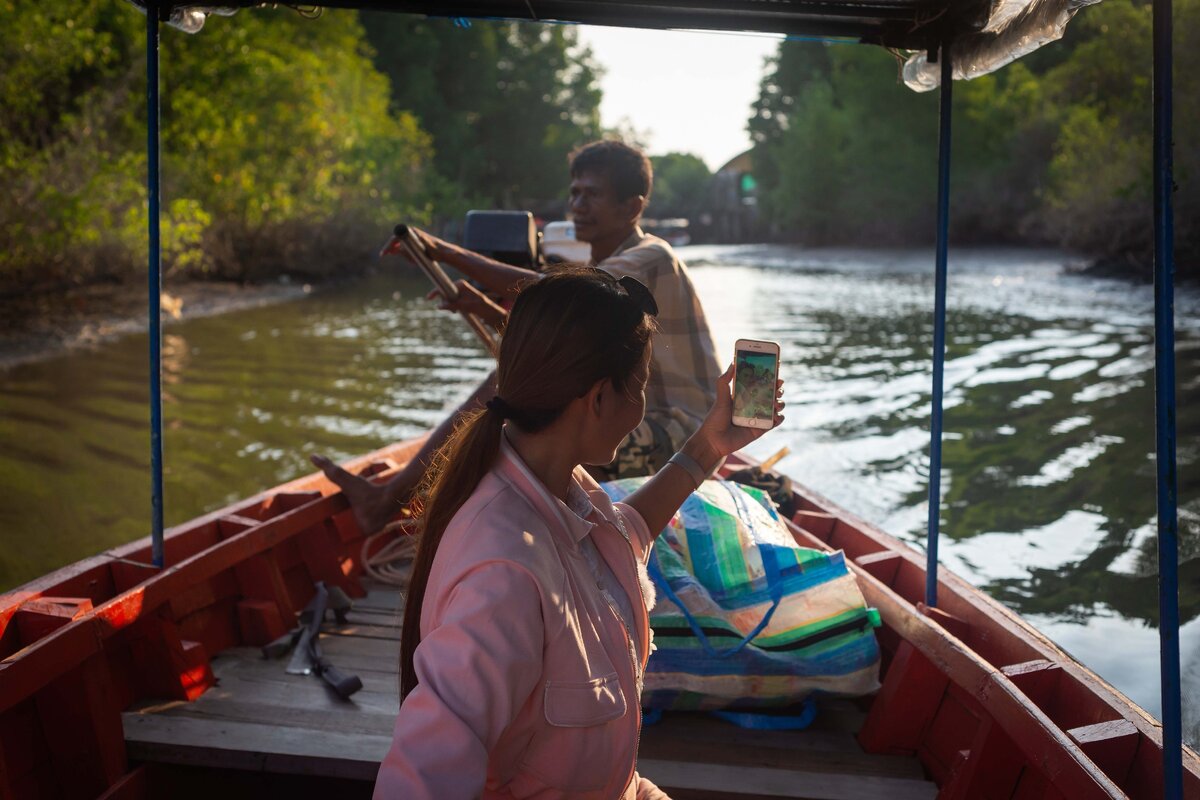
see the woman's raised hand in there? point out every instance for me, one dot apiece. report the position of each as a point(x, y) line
point(718, 436)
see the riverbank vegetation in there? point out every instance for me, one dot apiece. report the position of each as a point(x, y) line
point(290, 144)
point(1052, 149)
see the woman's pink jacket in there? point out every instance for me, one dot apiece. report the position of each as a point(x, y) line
point(529, 685)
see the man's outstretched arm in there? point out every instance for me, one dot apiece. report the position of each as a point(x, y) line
point(497, 277)
point(375, 504)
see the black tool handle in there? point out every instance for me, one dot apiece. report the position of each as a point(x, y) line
point(345, 685)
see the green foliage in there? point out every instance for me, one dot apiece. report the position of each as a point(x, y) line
point(505, 102)
point(289, 144)
point(680, 185)
point(280, 152)
point(832, 155)
point(277, 124)
point(1054, 148)
point(1099, 179)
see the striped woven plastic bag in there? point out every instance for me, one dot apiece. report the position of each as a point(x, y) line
point(745, 618)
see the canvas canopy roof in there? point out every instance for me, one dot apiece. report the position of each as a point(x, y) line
point(983, 35)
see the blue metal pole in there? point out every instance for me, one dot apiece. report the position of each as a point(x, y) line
point(939, 327)
point(1164, 408)
point(154, 273)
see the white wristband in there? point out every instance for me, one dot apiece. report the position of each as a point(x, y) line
point(690, 466)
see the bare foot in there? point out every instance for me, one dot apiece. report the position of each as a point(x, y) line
point(373, 504)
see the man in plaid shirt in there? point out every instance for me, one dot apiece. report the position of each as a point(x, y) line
point(610, 188)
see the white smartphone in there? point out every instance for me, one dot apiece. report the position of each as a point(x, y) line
point(756, 369)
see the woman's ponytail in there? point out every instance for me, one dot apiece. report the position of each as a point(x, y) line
point(456, 469)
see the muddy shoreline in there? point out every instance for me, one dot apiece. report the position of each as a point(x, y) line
point(33, 328)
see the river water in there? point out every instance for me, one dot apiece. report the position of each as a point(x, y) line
point(1048, 477)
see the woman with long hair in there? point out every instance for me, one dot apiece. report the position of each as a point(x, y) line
point(526, 627)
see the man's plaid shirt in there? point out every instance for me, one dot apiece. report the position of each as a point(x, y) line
point(684, 368)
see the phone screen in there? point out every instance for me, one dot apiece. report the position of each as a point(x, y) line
point(754, 387)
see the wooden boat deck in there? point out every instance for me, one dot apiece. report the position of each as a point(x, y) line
point(260, 719)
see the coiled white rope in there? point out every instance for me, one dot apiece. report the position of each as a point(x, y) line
point(392, 563)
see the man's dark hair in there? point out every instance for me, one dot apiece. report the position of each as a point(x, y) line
point(627, 168)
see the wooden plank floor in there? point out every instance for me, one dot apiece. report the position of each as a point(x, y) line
point(259, 718)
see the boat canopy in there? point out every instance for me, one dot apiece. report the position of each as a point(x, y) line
point(982, 35)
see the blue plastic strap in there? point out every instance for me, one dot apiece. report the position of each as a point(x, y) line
point(772, 722)
point(770, 566)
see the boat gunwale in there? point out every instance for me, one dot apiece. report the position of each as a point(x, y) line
point(37, 664)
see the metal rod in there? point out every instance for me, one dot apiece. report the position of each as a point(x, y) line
point(939, 327)
point(154, 276)
point(1164, 408)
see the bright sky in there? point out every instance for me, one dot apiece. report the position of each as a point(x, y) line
point(682, 91)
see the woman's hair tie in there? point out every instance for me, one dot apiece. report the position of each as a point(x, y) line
point(497, 406)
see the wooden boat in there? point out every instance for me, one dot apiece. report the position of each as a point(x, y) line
point(122, 681)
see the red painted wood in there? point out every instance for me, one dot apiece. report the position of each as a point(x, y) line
point(1032, 785)
point(993, 769)
point(852, 538)
point(960, 783)
point(1144, 781)
point(299, 583)
point(882, 564)
point(88, 578)
point(113, 629)
point(818, 523)
point(259, 622)
point(22, 745)
point(1037, 679)
point(82, 725)
point(38, 618)
point(215, 626)
point(203, 594)
point(168, 667)
point(133, 785)
point(30, 784)
point(347, 527)
point(261, 579)
point(319, 548)
point(282, 502)
point(1040, 740)
point(910, 696)
point(910, 582)
point(121, 667)
point(1027, 729)
point(1000, 637)
point(28, 670)
point(945, 745)
point(185, 542)
point(128, 574)
point(1111, 745)
point(955, 626)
